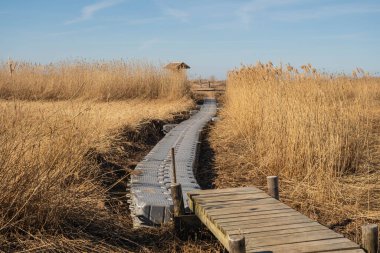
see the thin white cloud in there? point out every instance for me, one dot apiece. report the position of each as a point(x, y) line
point(89, 11)
point(325, 12)
point(177, 14)
point(145, 21)
point(273, 9)
point(246, 12)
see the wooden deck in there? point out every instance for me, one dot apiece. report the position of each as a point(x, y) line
point(267, 224)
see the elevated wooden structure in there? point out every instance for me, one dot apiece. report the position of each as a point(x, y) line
point(177, 66)
point(266, 224)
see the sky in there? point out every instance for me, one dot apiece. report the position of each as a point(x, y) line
point(212, 36)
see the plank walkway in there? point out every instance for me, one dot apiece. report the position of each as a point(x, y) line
point(150, 195)
point(267, 224)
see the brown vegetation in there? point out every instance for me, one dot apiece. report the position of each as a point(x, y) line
point(99, 80)
point(61, 145)
point(319, 133)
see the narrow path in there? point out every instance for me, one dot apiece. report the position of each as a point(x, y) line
point(151, 202)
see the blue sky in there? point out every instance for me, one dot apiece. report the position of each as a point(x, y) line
point(212, 36)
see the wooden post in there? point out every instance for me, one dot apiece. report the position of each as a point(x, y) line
point(273, 189)
point(174, 168)
point(179, 207)
point(370, 238)
point(237, 244)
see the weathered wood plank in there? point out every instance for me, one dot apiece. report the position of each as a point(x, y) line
point(275, 221)
point(254, 201)
point(235, 203)
point(248, 208)
point(218, 209)
point(250, 213)
point(219, 234)
point(315, 227)
point(229, 193)
point(292, 238)
point(247, 227)
point(218, 191)
point(244, 213)
point(222, 220)
point(222, 201)
point(226, 198)
point(311, 246)
point(271, 229)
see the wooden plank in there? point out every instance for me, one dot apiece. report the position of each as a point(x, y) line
point(217, 192)
point(292, 238)
point(190, 202)
point(214, 192)
point(219, 234)
point(246, 227)
point(273, 228)
point(222, 220)
point(285, 231)
point(228, 200)
point(311, 246)
point(267, 222)
point(223, 198)
point(231, 202)
point(249, 209)
point(253, 202)
point(250, 213)
point(263, 227)
point(224, 190)
point(209, 210)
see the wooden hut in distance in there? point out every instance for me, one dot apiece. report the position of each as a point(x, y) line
point(177, 66)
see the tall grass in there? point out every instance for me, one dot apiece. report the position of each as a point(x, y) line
point(54, 119)
point(316, 131)
point(98, 80)
point(48, 184)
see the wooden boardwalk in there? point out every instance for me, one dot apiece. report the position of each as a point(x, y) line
point(267, 224)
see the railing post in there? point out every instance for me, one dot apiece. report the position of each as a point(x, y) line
point(370, 238)
point(273, 189)
point(179, 207)
point(237, 244)
point(173, 167)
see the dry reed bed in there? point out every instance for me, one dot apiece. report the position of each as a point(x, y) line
point(48, 185)
point(97, 80)
point(319, 133)
point(52, 195)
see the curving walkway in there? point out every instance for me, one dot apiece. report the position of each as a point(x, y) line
point(150, 195)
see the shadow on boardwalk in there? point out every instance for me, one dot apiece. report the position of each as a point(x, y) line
point(205, 173)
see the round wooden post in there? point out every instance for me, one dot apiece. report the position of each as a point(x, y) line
point(237, 244)
point(179, 207)
point(370, 238)
point(173, 167)
point(273, 189)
